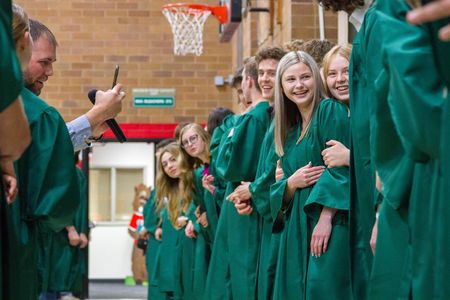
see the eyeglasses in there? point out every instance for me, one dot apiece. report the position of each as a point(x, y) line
point(190, 140)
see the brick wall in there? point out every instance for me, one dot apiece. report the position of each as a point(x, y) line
point(305, 21)
point(290, 19)
point(93, 36)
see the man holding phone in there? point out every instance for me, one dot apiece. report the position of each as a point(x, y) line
point(89, 126)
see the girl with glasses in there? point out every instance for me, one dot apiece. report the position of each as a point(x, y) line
point(196, 157)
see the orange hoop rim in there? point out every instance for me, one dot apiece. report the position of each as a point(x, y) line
point(220, 12)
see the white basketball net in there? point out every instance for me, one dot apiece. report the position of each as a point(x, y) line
point(187, 28)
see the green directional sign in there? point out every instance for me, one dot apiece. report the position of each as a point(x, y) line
point(153, 97)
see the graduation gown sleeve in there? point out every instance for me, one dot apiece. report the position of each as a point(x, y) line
point(10, 76)
point(416, 88)
point(48, 184)
point(332, 188)
point(151, 218)
point(265, 177)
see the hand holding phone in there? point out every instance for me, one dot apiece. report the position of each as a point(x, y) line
point(112, 124)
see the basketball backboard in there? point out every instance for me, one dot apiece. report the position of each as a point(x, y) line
point(227, 30)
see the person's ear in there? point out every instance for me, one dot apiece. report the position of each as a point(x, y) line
point(250, 81)
point(23, 41)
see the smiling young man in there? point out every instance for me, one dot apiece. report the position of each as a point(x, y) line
point(267, 60)
point(253, 196)
point(232, 274)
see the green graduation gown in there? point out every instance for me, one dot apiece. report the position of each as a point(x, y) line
point(190, 258)
point(236, 162)
point(260, 190)
point(66, 264)
point(203, 242)
point(363, 194)
point(366, 79)
point(151, 222)
point(416, 95)
point(176, 260)
point(10, 86)
point(442, 244)
point(169, 263)
point(78, 266)
point(218, 138)
point(47, 200)
point(11, 75)
point(219, 289)
point(298, 274)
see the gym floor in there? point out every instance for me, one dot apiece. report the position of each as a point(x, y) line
point(108, 290)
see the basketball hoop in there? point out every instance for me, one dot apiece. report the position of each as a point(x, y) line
point(187, 22)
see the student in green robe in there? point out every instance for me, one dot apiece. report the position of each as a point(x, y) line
point(79, 262)
point(232, 274)
point(152, 232)
point(213, 184)
point(439, 13)
point(67, 263)
point(219, 121)
point(48, 195)
point(47, 199)
point(336, 82)
point(412, 92)
point(255, 195)
point(176, 250)
point(368, 89)
point(45, 178)
point(194, 141)
point(313, 260)
point(363, 207)
point(203, 228)
point(14, 130)
point(364, 69)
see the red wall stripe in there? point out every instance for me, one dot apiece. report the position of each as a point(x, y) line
point(144, 131)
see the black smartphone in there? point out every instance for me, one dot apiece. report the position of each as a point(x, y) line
point(116, 74)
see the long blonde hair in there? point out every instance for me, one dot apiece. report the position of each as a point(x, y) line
point(177, 191)
point(20, 22)
point(342, 50)
point(287, 114)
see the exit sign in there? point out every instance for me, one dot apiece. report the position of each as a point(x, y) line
point(153, 97)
